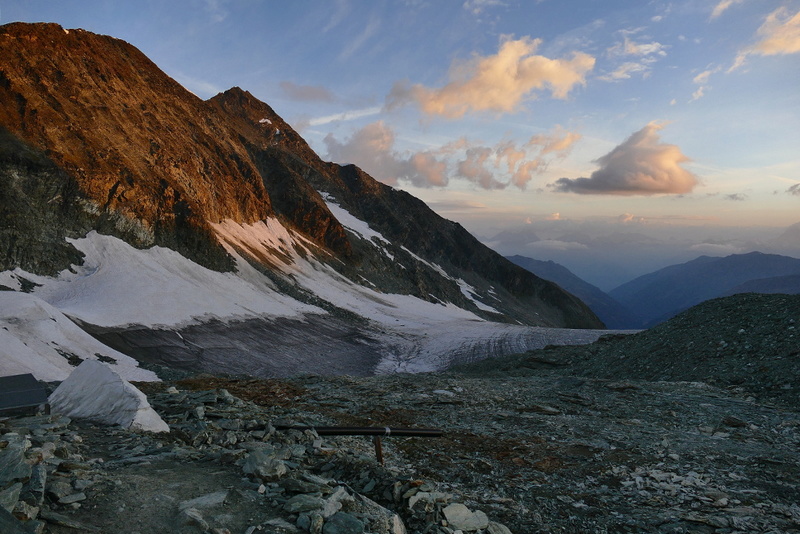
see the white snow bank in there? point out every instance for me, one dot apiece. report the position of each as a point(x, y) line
point(350, 221)
point(37, 338)
point(94, 392)
point(119, 285)
point(356, 225)
point(388, 309)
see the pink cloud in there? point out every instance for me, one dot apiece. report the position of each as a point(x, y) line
point(641, 165)
point(497, 83)
point(498, 166)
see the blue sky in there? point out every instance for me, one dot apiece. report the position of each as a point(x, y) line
point(672, 118)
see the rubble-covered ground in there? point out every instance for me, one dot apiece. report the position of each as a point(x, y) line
point(529, 445)
point(523, 454)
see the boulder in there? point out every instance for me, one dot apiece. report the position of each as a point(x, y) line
point(93, 391)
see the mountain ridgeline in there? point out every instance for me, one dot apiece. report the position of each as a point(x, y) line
point(94, 136)
point(662, 294)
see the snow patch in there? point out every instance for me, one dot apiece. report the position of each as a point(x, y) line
point(356, 225)
point(265, 121)
point(321, 280)
point(471, 293)
point(37, 338)
point(434, 266)
point(96, 393)
point(119, 285)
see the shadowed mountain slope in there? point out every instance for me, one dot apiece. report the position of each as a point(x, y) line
point(660, 295)
point(612, 313)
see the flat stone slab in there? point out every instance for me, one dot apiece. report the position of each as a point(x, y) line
point(21, 393)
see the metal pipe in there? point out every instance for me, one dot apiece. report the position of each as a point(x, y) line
point(366, 431)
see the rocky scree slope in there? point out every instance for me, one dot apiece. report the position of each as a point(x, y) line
point(118, 146)
point(612, 313)
point(747, 342)
point(534, 454)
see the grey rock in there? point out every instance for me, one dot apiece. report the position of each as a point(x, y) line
point(460, 517)
point(264, 466)
point(25, 511)
point(343, 523)
point(497, 528)
point(59, 488)
point(10, 496)
point(334, 503)
point(13, 466)
point(293, 485)
point(280, 526)
point(64, 521)
point(205, 501)
point(193, 517)
point(10, 524)
point(303, 503)
point(75, 497)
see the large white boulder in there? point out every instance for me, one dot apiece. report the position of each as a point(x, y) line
point(93, 391)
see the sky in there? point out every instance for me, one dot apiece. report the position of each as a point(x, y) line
point(613, 136)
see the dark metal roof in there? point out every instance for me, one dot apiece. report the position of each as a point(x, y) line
point(21, 393)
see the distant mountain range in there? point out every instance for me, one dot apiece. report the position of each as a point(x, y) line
point(655, 297)
point(612, 313)
point(662, 294)
point(208, 234)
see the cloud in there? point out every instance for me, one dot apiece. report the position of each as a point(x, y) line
point(716, 249)
point(201, 88)
point(455, 205)
point(794, 190)
point(722, 6)
point(738, 197)
point(506, 163)
point(497, 83)
point(553, 244)
point(641, 165)
point(344, 116)
point(702, 80)
point(341, 13)
point(624, 71)
point(628, 218)
point(306, 93)
point(372, 149)
point(476, 7)
point(629, 47)
point(215, 10)
point(703, 77)
point(357, 41)
point(778, 35)
point(648, 53)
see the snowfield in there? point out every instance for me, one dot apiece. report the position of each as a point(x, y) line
point(143, 292)
point(37, 338)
